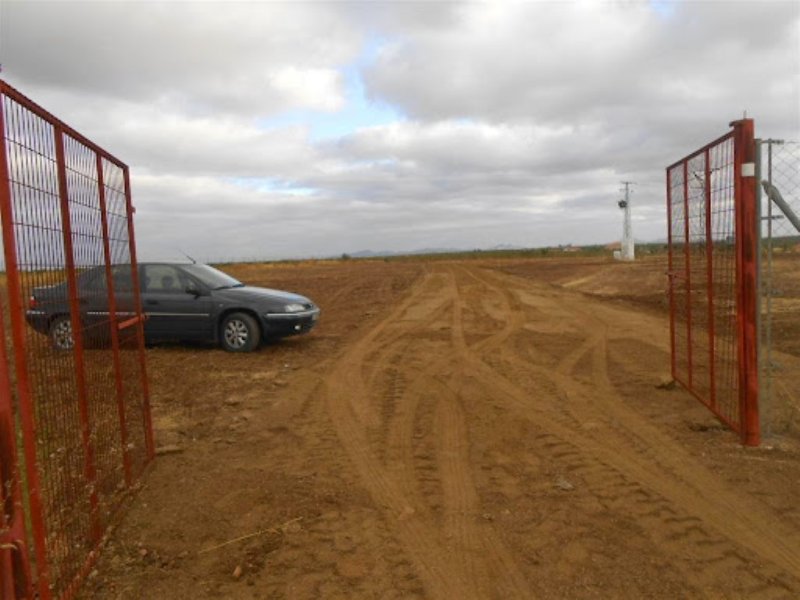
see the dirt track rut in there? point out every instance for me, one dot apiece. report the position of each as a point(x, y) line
point(471, 349)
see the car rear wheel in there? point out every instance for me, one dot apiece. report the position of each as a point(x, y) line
point(240, 333)
point(61, 333)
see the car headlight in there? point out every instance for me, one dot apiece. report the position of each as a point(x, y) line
point(294, 307)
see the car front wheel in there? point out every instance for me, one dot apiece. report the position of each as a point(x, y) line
point(61, 333)
point(240, 333)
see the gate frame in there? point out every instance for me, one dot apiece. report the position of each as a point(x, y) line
point(746, 232)
point(38, 527)
point(15, 568)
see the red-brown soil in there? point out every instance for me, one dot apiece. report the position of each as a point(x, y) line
point(472, 429)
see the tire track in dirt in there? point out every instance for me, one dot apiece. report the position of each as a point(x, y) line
point(395, 346)
point(401, 453)
point(349, 370)
point(475, 545)
point(512, 314)
point(648, 442)
point(443, 577)
point(694, 488)
point(461, 497)
point(615, 486)
point(422, 476)
point(480, 548)
point(416, 534)
point(400, 432)
point(470, 561)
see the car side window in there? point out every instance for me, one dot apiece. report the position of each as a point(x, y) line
point(122, 279)
point(165, 279)
point(92, 281)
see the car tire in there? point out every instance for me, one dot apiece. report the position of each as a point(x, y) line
point(61, 333)
point(239, 333)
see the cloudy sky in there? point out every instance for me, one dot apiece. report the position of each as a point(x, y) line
point(290, 129)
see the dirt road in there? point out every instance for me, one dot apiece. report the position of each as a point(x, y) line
point(461, 432)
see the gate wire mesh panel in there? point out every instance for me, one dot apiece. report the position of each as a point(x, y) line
point(703, 314)
point(80, 377)
point(780, 287)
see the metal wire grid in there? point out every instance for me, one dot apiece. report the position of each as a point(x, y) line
point(80, 401)
point(703, 270)
point(698, 269)
point(680, 324)
point(86, 231)
point(723, 286)
point(131, 340)
point(780, 289)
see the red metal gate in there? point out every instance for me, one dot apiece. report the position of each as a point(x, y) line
point(82, 411)
point(713, 249)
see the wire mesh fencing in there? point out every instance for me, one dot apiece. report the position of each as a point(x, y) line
point(76, 337)
point(779, 358)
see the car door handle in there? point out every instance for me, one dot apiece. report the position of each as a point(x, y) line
point(151, 302)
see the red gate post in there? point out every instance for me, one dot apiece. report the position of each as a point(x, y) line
point(15, 571)
point(747, 277)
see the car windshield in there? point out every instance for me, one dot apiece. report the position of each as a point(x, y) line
point(213, 278)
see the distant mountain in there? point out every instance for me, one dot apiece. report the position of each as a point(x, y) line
point(370, 253)
point(506, 247)
point(379, 253)
point(383, 253)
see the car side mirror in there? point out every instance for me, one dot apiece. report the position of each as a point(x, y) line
point(191, 288)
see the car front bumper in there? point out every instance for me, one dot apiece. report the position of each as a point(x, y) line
point(285, 324)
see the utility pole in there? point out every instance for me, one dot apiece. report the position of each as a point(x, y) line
point(627, 247)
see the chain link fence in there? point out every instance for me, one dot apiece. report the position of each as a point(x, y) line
point(779, 359)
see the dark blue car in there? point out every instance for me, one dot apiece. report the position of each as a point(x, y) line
point(182, 302)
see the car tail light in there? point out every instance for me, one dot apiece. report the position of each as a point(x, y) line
point(32, 302)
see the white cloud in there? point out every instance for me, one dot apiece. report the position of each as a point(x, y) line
point(245, 58)
point(319, 89)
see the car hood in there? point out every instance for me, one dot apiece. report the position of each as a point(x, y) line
point(259, 294)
